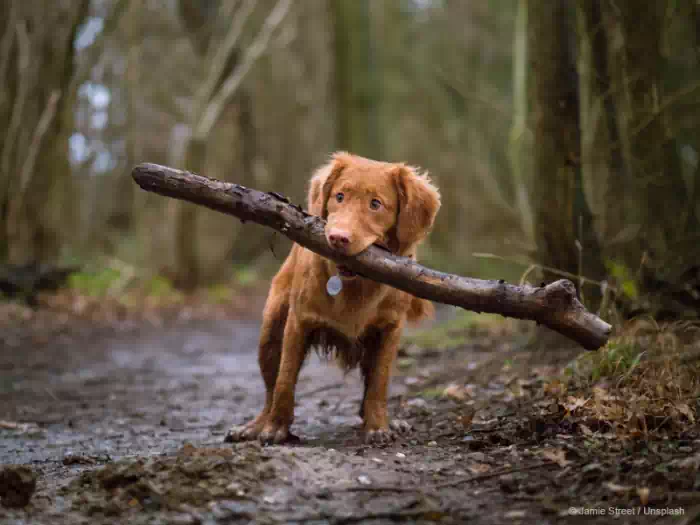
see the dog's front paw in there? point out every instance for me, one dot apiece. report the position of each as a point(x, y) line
point(247, 432)
point(400, 426)
point(382, 436)
point(274, 433)
point(379, 436)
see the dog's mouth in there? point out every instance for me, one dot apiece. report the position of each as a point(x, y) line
point(345, 272)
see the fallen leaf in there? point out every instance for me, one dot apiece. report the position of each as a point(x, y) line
point(21, 427)
point(466, 418)
point(643, 493)
point(686, 411)
point(592, 466)
point(692, 462)
point(455, 392)
point(479, 468)
point(585, 430)
point(617, 489)
point(557, 456)
point(555, 387)
point(573, 403)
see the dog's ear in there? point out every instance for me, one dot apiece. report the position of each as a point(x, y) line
point(322, 183)
point(419, 202)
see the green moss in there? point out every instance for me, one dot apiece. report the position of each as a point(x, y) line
point(160, 286)
point(246, 274)
point(95, 284)
point(622, 274)
point(219, 293)
point(431, 393)
point(451, 334)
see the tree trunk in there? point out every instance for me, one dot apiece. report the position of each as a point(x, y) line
point(357, 79)
point(36, 65)
point(655, 189)
point(601, 166)
point(561, 219)
point(657, 202)
point(200, 18)
point(185, 227)
point(520, 141)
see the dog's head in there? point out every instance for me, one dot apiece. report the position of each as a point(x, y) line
point(366, 202)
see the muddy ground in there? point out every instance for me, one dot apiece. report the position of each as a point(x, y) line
point(127, 426)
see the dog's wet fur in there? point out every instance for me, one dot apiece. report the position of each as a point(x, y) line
point(364, 202)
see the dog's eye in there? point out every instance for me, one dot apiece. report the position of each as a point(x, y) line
point(375, 204)
point(339, 197)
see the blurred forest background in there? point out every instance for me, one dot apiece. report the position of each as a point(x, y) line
point(565, 136)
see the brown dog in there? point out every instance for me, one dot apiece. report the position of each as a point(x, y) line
point(363, 202)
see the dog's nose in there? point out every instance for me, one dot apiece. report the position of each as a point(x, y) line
point(339, 238)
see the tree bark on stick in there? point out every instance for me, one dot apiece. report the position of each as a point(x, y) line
point(554, 305)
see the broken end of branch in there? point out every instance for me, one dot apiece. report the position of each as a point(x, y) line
point(571, 318)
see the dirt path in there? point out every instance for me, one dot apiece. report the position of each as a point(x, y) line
point(109, 419)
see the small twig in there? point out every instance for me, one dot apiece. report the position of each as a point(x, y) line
point(498, 473)
point(446, 434)
point(320, 389)
point(461, 433)
point(404, 511)
point(51, 394)
point(389, 515)
point(536, 266)
point(379, 488)
point(483, 430)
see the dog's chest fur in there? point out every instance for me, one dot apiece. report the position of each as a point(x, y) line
point(331, 344)
point(353, 311)
point(343, 328)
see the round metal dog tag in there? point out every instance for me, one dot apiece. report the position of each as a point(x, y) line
point(334, 285)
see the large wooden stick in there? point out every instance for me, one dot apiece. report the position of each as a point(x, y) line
point(554, 305)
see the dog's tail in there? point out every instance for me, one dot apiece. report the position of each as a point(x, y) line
point(420, 309)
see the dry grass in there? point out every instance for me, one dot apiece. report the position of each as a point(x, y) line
point(643, 383)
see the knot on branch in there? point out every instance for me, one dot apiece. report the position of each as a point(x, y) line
point(561, 293)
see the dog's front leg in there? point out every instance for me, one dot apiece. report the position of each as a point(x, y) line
point(281, 415)
point(377, 370)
